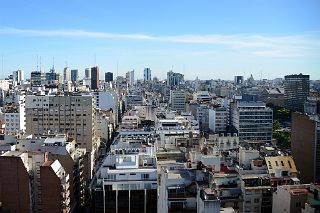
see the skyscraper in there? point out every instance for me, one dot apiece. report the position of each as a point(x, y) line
point(74, 75)
point(147, 74)
point(87, 73)
point(18, 76)
point(95, 78)
point(174, 79)
point(108, 77)
point(67, 74)
point(296, 91)
point(130, 77)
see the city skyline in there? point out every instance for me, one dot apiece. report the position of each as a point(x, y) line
point(212, 39)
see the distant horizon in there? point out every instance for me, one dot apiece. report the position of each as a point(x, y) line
point(205, 39)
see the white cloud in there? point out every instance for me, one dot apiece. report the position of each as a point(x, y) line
point(259, 45)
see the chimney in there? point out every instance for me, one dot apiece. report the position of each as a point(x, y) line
point(46, 156)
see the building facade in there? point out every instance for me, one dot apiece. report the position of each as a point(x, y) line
point(296, 91)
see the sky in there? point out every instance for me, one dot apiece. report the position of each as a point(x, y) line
point(210, 39)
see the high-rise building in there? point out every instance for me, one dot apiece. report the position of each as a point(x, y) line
point(174, 79)
point(74, 75)
point(238, 80)
point(18, 76)
point(178, 100)
point(37, 79)
point(108, 77)
point(296, 91)
point(95, 78)
point(70, 115)
point(147, 74)
point(14, 113)
point(52, 78)
point(305, 139)
point(253, 120)
point(130, 77)
point(87, 73)
point(67, 74)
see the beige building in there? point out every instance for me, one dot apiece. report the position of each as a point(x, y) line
point(70, 115)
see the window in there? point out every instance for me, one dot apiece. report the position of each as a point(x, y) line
point(145, 176)
point(256, 200)
point(298, 204)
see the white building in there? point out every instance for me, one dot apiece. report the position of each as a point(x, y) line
point(127, 179)
point(218, 119)
point(15, 115)
point(225, 142)
point(130, 78)
point(202, 96)
point(66, 74)
point(253, 120)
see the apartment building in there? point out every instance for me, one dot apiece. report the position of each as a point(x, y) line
point(253, 120)
point(71, 115)
point(127, 179)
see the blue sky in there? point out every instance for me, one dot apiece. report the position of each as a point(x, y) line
point(209, 39)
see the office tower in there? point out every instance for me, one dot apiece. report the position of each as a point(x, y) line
point(55, 188)
point(74, 75)
point(147, 74)
point(253, 120)
point(87, 73)
point(305, 139)
point(18, 76)
point(52, 78)
point(238, 80)
point(108, 77)
point(14, 185)
point(95, 78)
point(37, 79)
point(178, 100)
point(130, 77)
point(296, 91)
point(174, 79)
point(66, 74)
point(71, 115)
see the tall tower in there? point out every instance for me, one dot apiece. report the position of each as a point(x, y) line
point(296, 91)
point(108, 77)
point(147, 74)
point(67, 74)
point(95, 78)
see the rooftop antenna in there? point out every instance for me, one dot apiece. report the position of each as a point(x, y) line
point(40, 64)
point(117, 68)
point(53, 62)
point(37, 63)
point(66, 63)
point(2, 64)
